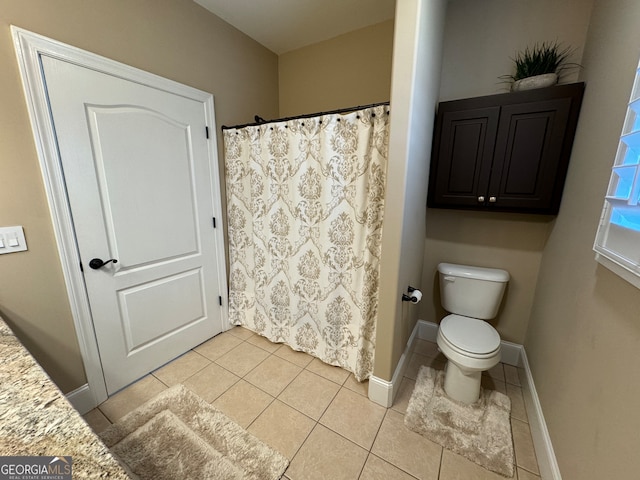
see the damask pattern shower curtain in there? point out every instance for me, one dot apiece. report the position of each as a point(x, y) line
point(305, 202)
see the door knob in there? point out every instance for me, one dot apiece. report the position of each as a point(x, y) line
point(492, 199)
point(97, 263)
point(480, 199)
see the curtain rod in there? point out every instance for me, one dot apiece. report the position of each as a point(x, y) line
point(262, 121)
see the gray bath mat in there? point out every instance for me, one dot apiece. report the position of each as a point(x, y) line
point(480, 432)
point(177, 435)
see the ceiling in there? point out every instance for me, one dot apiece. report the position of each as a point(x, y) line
point(284, 25)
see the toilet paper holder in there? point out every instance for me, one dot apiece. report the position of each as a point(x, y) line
point(414, 295)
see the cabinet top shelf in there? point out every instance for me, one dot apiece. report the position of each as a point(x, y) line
point(524, 96)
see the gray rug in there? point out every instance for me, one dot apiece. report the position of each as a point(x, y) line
point(480, 432)
point(177, 435)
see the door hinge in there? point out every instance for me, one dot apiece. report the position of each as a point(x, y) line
point(81, 267)
point(214, 222)
point(220, 299)
point(206, 129)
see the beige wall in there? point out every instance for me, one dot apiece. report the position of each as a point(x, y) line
point(583, 341)
point(414, 93)
point(176, 39)
point(480, 38)
point(345, 71)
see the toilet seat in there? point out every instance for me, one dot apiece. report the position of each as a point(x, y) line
point(470, 337)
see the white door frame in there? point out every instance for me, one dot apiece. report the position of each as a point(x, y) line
point(29, 47)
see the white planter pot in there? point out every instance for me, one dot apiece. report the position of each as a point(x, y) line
point(538, 81)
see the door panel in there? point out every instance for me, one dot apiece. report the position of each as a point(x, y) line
point(529, 142)
point(175, 302)
point(133, 225)
point(465, 155)
point(138, 177)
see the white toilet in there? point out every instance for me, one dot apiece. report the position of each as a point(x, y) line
point(472, 295)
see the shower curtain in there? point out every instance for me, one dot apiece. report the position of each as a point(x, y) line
point(305, 201)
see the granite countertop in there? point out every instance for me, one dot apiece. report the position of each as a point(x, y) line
point(37, 420)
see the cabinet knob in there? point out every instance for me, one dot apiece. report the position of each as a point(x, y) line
point(492, 199)
point(480, 199)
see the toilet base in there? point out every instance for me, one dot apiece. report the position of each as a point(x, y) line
point(460, 385)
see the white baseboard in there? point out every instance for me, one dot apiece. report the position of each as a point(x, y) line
point(382, 391)
point(545, 454)
point(510, 353)
point(82, 399)
point(427, 331)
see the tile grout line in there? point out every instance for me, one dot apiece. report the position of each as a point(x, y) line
point(105, 415)
point(392, 464)
point(375, 437)
point(440, 462)
point(301, 445)
point(364, 464)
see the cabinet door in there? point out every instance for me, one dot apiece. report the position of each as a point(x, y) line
point(465, 152)
point(529, 144)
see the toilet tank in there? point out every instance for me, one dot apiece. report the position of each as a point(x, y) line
point(471, 291)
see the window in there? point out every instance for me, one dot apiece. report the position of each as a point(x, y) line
point(617, 242)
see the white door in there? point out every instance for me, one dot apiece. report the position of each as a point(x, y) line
point(139, 181)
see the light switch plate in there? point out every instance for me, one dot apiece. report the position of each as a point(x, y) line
point(12, 239)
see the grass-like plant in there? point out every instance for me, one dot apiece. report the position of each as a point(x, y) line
point(547, 57)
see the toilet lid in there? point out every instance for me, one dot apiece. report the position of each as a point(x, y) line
point(470, 334)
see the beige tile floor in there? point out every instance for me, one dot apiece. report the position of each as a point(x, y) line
point(319, 416)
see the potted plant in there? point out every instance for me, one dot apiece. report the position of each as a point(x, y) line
point(539, 66)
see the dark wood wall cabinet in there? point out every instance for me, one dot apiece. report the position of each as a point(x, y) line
point(507, 152)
